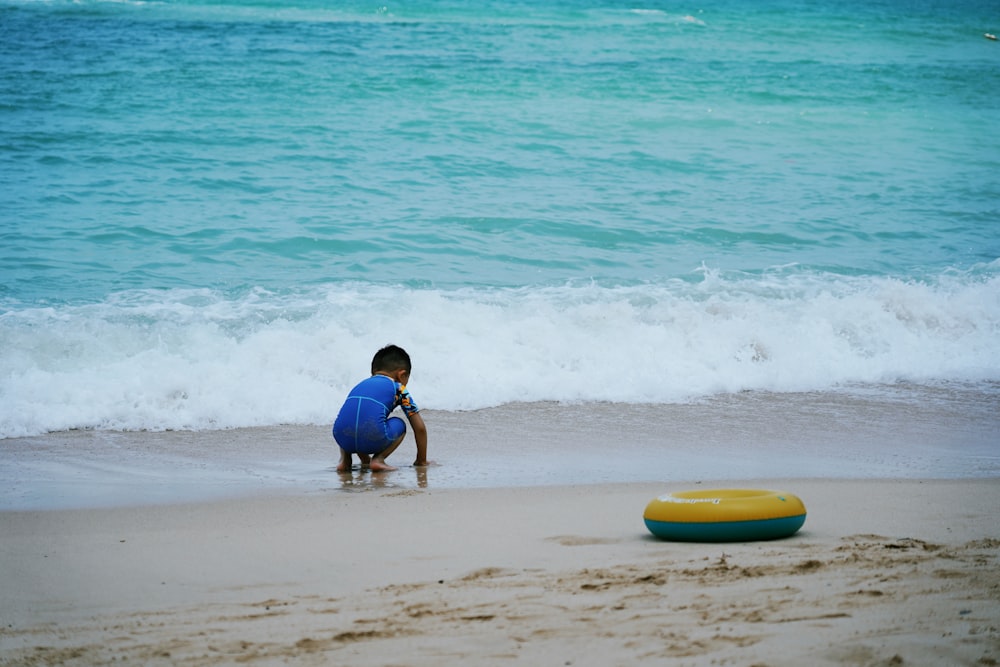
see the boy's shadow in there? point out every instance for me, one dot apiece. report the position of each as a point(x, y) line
point(362, 478)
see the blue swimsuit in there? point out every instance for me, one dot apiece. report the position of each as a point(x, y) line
point(364, 425)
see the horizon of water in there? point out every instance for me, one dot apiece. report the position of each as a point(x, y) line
point(213, 213)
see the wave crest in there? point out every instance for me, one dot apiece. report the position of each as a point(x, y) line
point(198, 359)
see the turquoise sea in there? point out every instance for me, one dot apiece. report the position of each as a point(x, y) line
point(212, 213)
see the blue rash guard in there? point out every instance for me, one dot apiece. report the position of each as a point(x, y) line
point(363, 425)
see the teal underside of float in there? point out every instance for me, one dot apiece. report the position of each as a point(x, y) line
point(726, 531)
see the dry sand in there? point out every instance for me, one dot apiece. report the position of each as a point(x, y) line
point(883, 573)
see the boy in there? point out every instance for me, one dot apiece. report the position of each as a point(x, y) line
point(364, 426)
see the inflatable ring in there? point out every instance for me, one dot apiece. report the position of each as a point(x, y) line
point(724, 515)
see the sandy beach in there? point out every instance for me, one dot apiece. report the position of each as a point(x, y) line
point(524, 544)
point(884, 572)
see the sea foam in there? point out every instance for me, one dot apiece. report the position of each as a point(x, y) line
point(201, 359)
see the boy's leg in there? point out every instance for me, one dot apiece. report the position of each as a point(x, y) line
point(346, 461)
point(378, 463)
point(394, 428)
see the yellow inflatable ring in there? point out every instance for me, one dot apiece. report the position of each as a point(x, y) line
point(724, 515)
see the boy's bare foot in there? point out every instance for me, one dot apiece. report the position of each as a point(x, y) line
point(366, 459)
point(344, 466)
point(379, 465)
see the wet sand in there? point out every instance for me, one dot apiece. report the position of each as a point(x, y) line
point(886, 432)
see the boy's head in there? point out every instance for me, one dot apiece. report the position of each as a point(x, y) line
point(390, 359)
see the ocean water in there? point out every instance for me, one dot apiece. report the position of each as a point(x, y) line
point(212, 213)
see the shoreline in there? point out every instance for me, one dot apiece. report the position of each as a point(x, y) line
point(883, 571)
point(898, 432)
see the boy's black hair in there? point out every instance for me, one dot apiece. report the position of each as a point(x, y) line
point(391, 358)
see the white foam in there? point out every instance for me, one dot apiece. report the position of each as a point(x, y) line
point(201, 360)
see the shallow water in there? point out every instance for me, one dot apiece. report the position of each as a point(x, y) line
point(909, 433)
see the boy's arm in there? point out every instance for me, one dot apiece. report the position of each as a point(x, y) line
point(420, 435)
